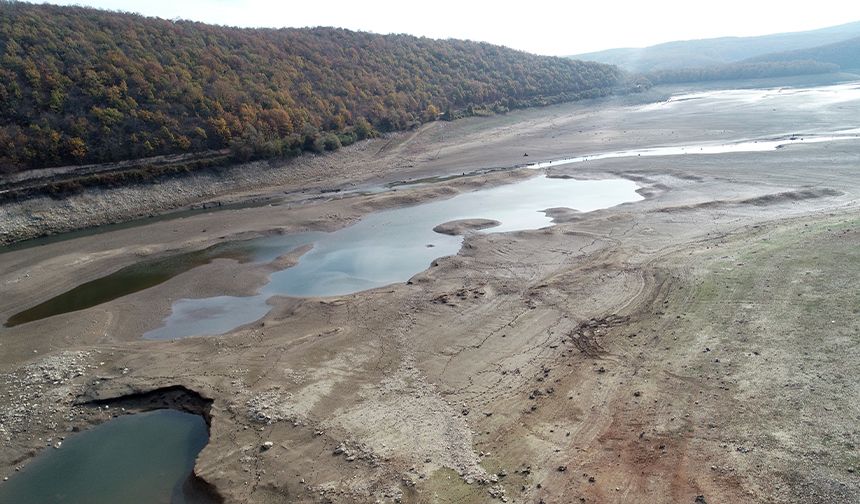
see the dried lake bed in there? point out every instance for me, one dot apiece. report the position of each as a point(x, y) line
point(638, 346)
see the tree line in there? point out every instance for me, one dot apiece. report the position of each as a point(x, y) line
point(80, 85)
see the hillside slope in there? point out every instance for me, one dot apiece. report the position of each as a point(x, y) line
point(717, 51)
point(79, 85)
point(846, 54)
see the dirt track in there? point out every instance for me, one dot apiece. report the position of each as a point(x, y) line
point(702, 342)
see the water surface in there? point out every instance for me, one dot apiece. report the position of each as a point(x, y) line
point(391, 246)
point(149, 273)
point(755, 145)
point(798, 97)
point(133, 459)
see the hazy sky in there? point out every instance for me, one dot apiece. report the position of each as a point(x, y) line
point(539, 26)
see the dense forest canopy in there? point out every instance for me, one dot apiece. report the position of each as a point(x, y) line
point(79, 85)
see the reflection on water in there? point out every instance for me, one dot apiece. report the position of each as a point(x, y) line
point(393, 245)
point(146, 274)
point(134, 459)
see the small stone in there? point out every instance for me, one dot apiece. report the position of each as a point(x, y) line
point(267, 446)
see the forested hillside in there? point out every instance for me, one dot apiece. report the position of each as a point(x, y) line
point(79, 85)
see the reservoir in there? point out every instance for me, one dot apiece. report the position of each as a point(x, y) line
point(391, 246)
point(383, 248)
point(134, 459)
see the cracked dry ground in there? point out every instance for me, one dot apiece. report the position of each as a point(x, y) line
point(675, 350)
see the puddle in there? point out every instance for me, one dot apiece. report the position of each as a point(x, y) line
point(391, 246)
point(136, 459)
point(146, 274)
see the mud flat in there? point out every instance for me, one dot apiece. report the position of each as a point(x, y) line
point(697, 345)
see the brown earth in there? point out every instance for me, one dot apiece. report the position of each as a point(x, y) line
point(465, 226)
point(698, 346)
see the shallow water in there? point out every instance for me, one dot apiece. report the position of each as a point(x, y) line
point(342, 278)
point(133, 459)
point(799, 97)
point(391, 246)
point(756, 145)
point(146, 274)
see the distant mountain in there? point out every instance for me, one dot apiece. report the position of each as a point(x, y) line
point(718, 51)
point(846, 54)
point(79, 85)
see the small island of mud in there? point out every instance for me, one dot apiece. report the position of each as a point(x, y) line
point(463, 226)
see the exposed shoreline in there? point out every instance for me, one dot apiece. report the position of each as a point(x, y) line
point(639, 352)
point(308, 177)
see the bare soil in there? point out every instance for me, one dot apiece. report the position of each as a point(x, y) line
point(700, 345)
